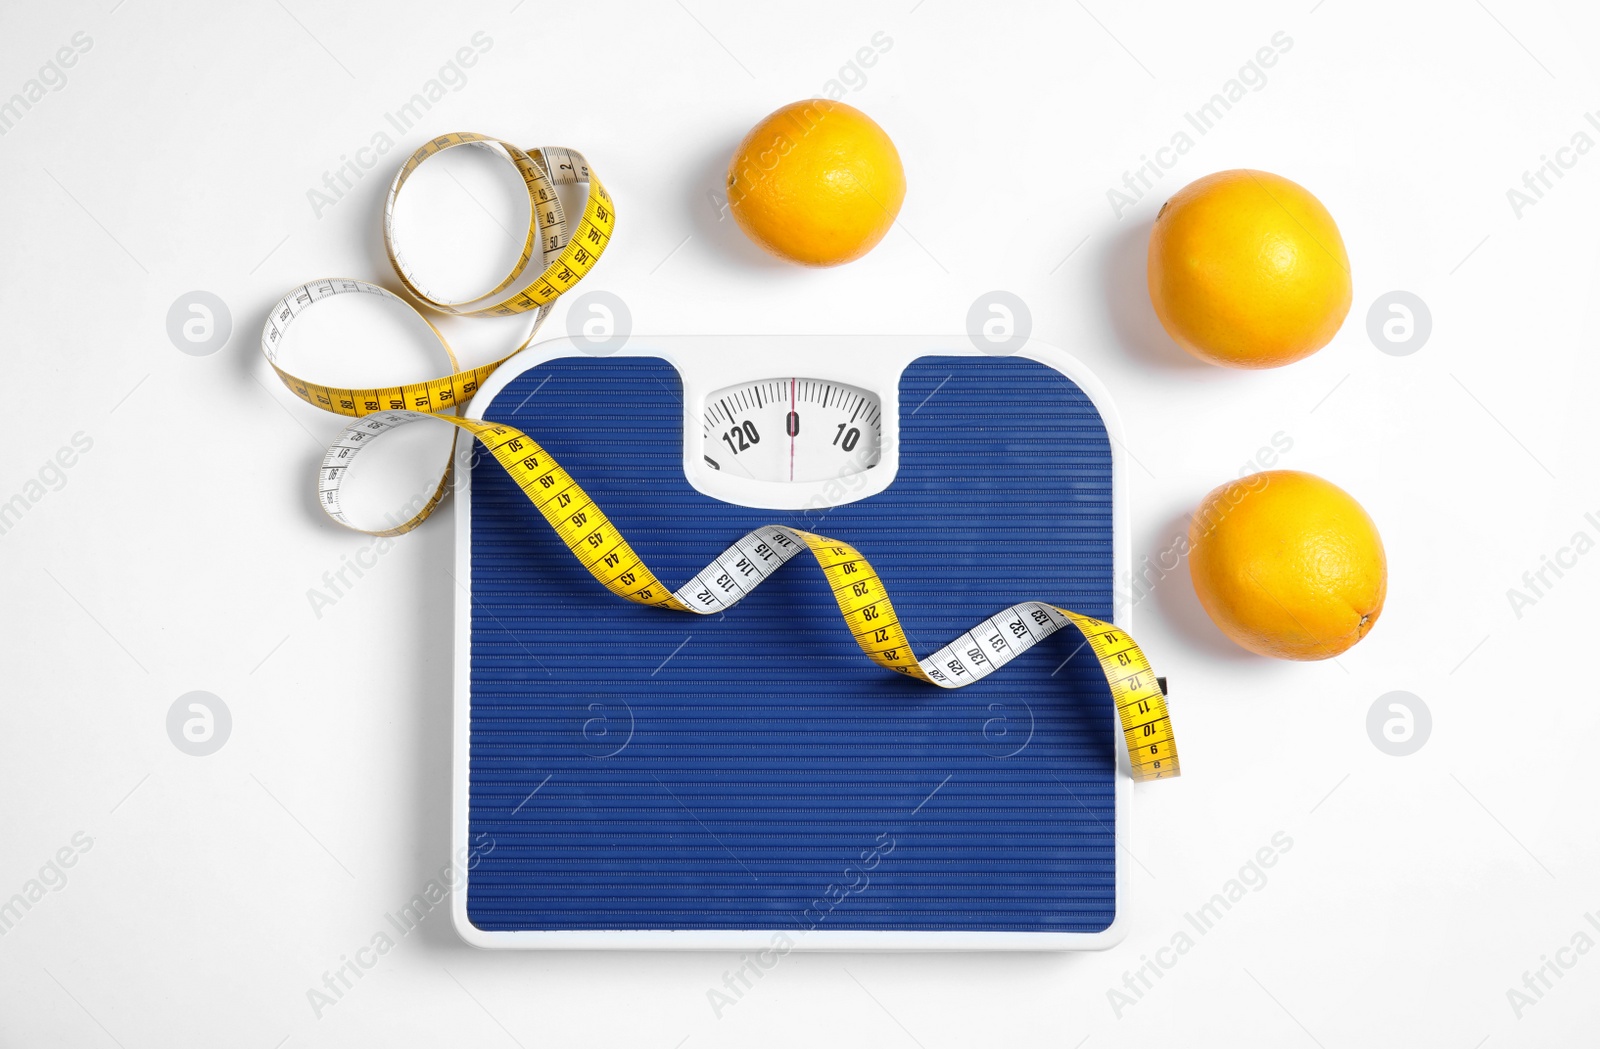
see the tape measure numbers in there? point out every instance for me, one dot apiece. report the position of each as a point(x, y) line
point(583, 526)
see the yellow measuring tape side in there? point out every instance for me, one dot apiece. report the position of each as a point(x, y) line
point(864, 603)
point(1136, 691)
point(576, 259)
point(433, 395)
point(583, 526)
point(576, 518)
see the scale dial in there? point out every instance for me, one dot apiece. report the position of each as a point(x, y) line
point(792, 430)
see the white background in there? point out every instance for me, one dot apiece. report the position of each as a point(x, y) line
point(179, 552)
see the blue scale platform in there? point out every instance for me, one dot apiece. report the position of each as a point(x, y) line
point(641, 769)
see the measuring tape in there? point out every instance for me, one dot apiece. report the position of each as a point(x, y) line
point(589, 534)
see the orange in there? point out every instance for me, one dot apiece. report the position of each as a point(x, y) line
point(817, 183)
point(1287, 565)
point(1247, 269)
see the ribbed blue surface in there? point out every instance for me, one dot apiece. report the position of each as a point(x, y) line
point(765, 766)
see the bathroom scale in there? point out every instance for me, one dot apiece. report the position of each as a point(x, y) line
point(629, 778)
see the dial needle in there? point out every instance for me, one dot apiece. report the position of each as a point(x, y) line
point(791, 435)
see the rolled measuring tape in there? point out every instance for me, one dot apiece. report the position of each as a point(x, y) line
point(583, 526)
